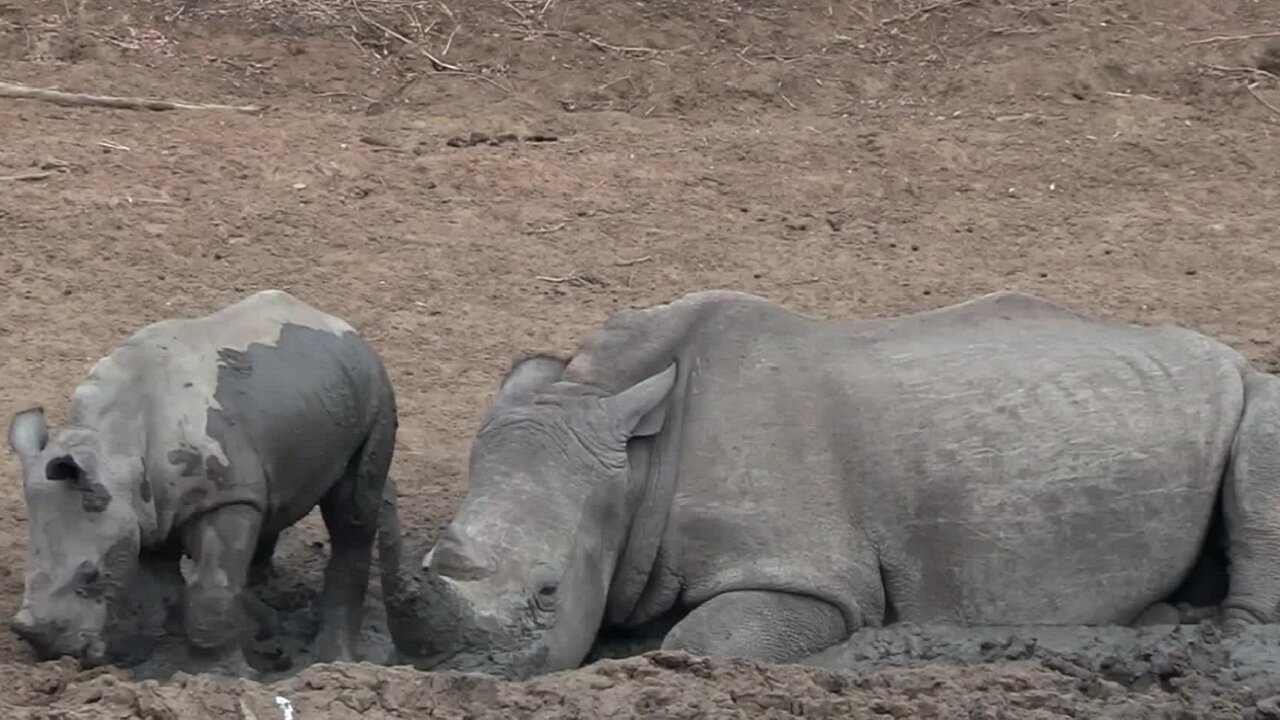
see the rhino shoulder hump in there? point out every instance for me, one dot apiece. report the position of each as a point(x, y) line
point(1017, 301)
point(634, 343)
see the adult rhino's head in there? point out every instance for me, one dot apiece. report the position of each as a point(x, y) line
point(517, 583)
point(82, 543)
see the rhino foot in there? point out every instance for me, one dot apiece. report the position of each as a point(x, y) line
point(769, 626)
point(229, 664)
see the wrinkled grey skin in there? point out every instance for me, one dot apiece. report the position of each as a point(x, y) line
point(788, 480)
point(206, 437)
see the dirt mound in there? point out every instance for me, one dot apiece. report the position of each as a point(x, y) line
point(1184, 673)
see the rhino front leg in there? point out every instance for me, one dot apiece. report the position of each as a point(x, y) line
point(1251, 507)
point(222, 543)
point(350, 512)
point(768, 626)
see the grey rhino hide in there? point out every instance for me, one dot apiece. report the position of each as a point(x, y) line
point(165, 450)
point(979, 463)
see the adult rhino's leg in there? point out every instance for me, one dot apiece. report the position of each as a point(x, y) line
point(221, 542)
point(1251, 507)
point(350, 512)
point(768, 626)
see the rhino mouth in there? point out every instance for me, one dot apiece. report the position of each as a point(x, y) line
point(516, 664)
point(88, 649)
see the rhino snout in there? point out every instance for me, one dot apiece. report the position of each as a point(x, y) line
point(51, 640)
point(24, 625)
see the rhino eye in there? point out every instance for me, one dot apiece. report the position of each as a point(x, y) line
point(544, 582)
point(86, 574)
point(87, 583)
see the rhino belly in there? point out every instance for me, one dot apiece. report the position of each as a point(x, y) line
point(1078, 551)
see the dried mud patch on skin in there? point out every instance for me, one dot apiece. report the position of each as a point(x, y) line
point(899, 672)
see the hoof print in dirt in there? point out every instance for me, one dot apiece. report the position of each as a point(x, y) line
point(479, 138)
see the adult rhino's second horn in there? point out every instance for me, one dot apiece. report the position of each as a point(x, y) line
point(418, 607)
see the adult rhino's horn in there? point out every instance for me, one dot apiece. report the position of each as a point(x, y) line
point(421, 611)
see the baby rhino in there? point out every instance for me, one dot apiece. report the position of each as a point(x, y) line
point(209, 436)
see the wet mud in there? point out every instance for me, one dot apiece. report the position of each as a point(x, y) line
point(1187, 672)
point(281, 624)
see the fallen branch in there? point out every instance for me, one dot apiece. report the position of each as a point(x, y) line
point(67, 99)
point(1239, 70)
point(574, 278)
point(637, 261)
point(1260, 99)
point(26, 177)
point(1232, 38)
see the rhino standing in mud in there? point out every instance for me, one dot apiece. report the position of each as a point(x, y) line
point(786, 481)
point(209, 437)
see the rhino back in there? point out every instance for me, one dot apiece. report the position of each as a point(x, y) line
point(268, 383)
point(991, 462)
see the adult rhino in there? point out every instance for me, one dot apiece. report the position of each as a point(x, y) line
point(788, 480)
point(208, 437)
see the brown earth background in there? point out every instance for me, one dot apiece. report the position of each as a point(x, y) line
point(565, 159)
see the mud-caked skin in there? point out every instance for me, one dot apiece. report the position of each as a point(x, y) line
point(212, 435)
point(786, 481)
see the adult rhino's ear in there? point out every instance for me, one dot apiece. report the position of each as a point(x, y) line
point(642, 408)
point(28, 433)
point(528, 377)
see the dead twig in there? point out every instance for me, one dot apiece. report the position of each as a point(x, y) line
point(637, 261)
point(476, 76)
point(1262, 100)
point(922, 11)
point(619, 48)
point(436, 63)
point(67, 99)
point(26, 177)
point(1241, 70)
point(1233, 38)
point(573, 278)
point(546, 230)
point(441, 67)
point(449, 43)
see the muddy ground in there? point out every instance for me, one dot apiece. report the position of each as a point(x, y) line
point(563, 159)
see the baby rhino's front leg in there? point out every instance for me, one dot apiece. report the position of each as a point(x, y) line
point(767, 626)
point(222, 544)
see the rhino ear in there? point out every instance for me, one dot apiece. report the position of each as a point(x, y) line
point(64, 467)
point(28, 433)
point(642, 408)
point(528, 377)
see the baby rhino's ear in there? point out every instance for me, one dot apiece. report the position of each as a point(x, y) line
point(28, 433)
point(641, 409)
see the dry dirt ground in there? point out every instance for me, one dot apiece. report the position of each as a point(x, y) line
point(562, 159)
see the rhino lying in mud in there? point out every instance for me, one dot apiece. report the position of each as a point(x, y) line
point(786, 481)
point(206, 437)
